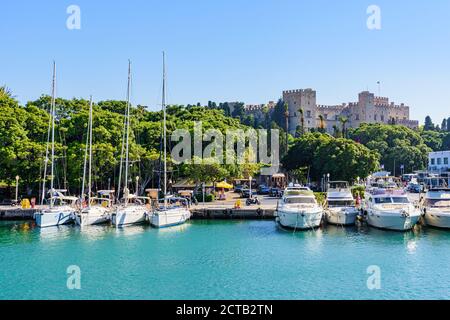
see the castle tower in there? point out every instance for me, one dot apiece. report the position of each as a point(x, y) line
point(301, 99)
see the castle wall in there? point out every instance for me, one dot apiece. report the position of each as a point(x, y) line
point(368, 109)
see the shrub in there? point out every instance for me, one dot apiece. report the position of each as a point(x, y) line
point(208, 197)
point(358, 190)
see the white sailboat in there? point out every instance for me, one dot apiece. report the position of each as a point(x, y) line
point(390, 209)
point(437, 208)
point(173, 214)
point(341, 208)
point(98, 209)
point(132, 208)
point(298, 209)
point(61, 208)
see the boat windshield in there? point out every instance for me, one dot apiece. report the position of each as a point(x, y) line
point(400, 200)
point(385, 200)
point(299, 200)
point(437, 203)
point(341, 203)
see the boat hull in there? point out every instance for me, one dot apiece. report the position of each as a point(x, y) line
point(92, 217)
point(392, 220)
point(169, 218)
point(300, 220)
point(344, 216)
point(52, 218)
point(438, 219)
point(129, 216)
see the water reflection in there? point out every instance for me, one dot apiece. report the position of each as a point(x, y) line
point(96, 232)
point(132, 230)
point(174, 229)
point(55, 233)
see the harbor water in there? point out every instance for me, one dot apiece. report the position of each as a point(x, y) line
point(223, 260)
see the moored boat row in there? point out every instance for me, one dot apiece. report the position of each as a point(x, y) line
point(87, 210)
point(386, 206)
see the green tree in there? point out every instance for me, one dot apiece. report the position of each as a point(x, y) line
point(397, 145)
point(343, 159)
point(429, 125)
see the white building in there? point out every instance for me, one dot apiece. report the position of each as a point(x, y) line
point(439, 161)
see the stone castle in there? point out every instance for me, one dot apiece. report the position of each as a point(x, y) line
point(368, 109)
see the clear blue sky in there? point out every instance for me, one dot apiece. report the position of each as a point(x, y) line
point(231, 50)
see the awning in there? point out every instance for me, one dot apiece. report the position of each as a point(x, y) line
point(224, 185)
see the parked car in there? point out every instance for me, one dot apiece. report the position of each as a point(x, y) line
point(275, 192)
point(246, 193)
point(263, 190)
point(415, 188)
point(238, 188)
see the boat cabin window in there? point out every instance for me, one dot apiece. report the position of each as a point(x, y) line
point(437, 203)
point(383, 200)
point(391, 200)
point(300, 200)
point(341, 203)
point(400, 200)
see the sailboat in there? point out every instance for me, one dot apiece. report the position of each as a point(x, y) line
point(132, 208)
point(175, 214)
point(98, 208)
point(61, 208)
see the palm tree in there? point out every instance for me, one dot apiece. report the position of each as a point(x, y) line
point(5, 92)
point(266, 113)
point(343, 121)
point(302, 120)
point(335, 131)
point(286, 115)
point(321, 123)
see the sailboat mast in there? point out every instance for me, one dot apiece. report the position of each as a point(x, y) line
point(53, 112)
point(128, 132)
point(164, 129)
point(86, 150)
point(90, 154)
point(47, 147)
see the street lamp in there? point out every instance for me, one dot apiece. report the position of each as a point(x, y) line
point(17, 188)
point(250, 193)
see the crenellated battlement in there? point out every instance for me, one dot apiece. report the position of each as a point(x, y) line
point(368, 108)
point(299, 91)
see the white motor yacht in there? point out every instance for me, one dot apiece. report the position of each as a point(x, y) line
point(437, 208)
point(391, 209)
point(341, 208)
point(298, 209)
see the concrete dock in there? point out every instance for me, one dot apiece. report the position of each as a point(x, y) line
point(230, 214)
point(215, 210)
point(16, 213)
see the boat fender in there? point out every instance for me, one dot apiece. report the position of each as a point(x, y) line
point(259, 212)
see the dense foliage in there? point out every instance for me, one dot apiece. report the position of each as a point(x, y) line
point(24, 135)
point(318, 154)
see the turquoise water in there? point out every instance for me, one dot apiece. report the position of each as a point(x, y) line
point(222, 260)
